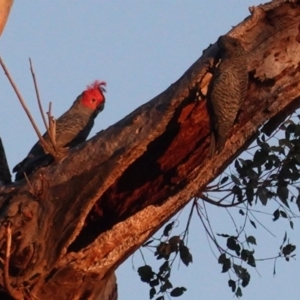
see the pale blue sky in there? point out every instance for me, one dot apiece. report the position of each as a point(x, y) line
point(139, 48)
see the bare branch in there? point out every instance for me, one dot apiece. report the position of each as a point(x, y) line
point(97, 207)
point(37, 94)
point(44, 143)
point(207, 199)
point(48, 126)
point(20, 99)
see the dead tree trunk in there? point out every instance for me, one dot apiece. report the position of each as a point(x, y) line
point(79, 219)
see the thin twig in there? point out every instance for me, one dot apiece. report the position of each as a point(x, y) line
point(20, 98)
point(207, 199)
point(49, 128)
point(189, 219)
point(45, 145)
point(49, 113)
point(13, 292)
point(37, 94)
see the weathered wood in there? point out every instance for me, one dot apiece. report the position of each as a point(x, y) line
point(81, 218)
point(5, 7)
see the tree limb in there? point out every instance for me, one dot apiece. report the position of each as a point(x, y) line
point(89, 212)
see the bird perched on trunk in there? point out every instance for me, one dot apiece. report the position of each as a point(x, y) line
point(72, 128)
point(227, 90)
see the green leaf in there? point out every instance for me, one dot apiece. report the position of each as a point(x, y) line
point(238, 166)
point(297, 159)
point(298, 200)
point(252, 223)
point(248, 257)
point(185, 255)
point(238, 270)
point(239, 292)
point(154, 283)
point(235, 180)
point(222, 258)
point(249, 194)
point(283, 214)
point(163, 250)
point(290, 128)
point(276, 215)
point(297, 130)
point(166, 286)
point(251, 240)
point(283, 194)
point(226, 265)
point(288, 249)
point(168, 228)
point(224, 179)
point(164, 267)
point(286, 143)
point(146, 274)
point(244, 255)
point(232, 284)
point(152, 292)
point(262, 193)
point(223, 235)
point(231, 243)
point(261, 156)
point(174, 242)
point(148, 243)
point(177, 291)
point(238, 192)
point(251, 261)
point(243, 274)
point(269, 164)
point(165, 275)
point(246, 279)
point(284, 238)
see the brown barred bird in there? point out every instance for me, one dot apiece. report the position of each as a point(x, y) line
point(227, 90)
point(72, 128)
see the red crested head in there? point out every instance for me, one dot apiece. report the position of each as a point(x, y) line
point(93, 97)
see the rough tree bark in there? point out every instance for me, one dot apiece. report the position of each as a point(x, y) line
point(78, 220)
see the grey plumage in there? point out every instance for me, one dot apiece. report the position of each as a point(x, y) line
point(72, 128)
point(227, 90)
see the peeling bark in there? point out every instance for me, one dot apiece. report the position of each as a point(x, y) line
point(79, 219)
